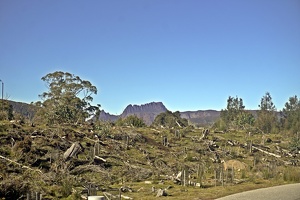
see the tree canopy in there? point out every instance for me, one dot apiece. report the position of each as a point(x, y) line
point(235, 115)
point(266, 117)
point(68, 99)
point(291, 114)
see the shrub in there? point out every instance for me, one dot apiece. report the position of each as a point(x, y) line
point(131, 120)
point(170, 119)
point(291, 174)
point(3, 115)
point(66, 188)
point(13, 188)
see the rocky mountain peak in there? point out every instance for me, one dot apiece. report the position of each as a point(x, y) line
point(104, 116)
point(147, 111)
point(153, 107)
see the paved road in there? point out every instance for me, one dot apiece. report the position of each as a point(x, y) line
point(283, 192)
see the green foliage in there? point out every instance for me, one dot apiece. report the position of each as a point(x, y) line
point(13, 188)
point(291, 115)
point(245, 118)
point(3, 115)
point(220, 125)
point(6, 112)
point(234, 107)
point(19, 117)
point(235, 115)
point(294, 144)
point(10, 115)
point(68, 99)
point(66, 188)
point(131, 120)
point(103, 128)
point(266, 103)
point(132, 155)
point(169, 119)
point(266, 117)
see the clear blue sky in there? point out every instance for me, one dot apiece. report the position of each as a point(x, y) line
point(191, 55)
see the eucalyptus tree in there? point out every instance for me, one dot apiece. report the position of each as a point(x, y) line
point(68, 99)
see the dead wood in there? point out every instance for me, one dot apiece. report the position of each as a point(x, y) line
point(161, 192)
point(232, 143)
point(266, 152)
point(125, 197)
point(99, 159)
point(178, 124)
point(204, 134)
point(126, 189)
point(73, 150)
point(219, 132)
point(109, 196)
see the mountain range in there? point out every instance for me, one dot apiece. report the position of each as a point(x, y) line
point(149, 111)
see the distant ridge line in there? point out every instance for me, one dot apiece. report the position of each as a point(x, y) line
point(149, 111)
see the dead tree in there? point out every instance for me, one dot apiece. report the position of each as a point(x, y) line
point(184, 176)
point(126, 142)
point(96, 149)
point(250, 146)
point(205, 133)
point(200, 172)
point(73, 150)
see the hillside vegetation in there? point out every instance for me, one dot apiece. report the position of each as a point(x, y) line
point(32, 159)
point(57, 154)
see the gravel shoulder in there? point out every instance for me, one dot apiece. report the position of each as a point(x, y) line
point(283, 192)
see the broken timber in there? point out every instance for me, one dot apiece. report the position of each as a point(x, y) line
point(99, 158)
point(266, 152)
point(73, 150)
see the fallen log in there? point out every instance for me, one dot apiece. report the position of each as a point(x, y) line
point(110, 196)
point(178, 124)
point(219, 132)
point(126, 197)
point(99, 158)
point(266, 152)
